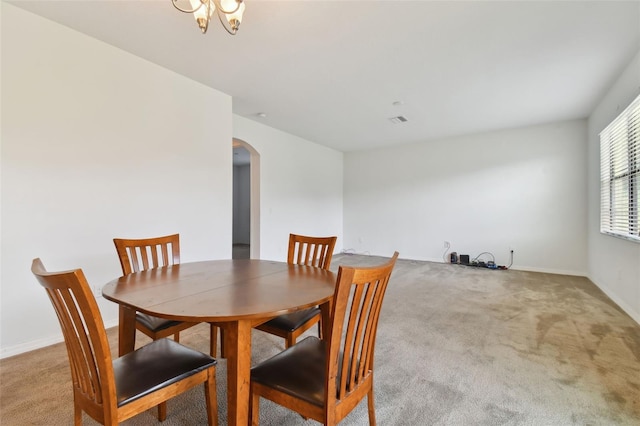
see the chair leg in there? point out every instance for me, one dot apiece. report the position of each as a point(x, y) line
point(254, 408)
point(162, 411)
point(372, 410)
point(176, 337)
point(320, 329)
point(77, 415)
point(211, 397)
point(222, 350)
point(289, 341)
point(213, 341)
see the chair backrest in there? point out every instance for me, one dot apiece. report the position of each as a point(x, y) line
point(85, 337)
point(354, 323)
point(311, 251)
point(147, 253)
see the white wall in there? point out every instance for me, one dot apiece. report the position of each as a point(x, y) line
point(523, 189)
point(97, 144)
point(300, 182)
point(614, 263)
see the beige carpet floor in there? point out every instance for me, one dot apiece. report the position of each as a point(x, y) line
point(456, 346)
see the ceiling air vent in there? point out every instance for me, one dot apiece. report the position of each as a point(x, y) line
point(399, 119)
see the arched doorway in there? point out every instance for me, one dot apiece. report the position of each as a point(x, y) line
point(246, 201)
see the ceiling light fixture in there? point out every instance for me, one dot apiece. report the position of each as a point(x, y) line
point(229, 12)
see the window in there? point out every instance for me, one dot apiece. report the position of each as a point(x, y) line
point(620, 175)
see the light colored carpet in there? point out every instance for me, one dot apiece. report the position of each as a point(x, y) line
point(456, 346)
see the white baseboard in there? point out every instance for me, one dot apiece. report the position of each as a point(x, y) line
point(39, 343)
point(623, 305)
point(527, 269)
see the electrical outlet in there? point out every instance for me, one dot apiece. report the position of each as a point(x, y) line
point(97, 291)
point(447, 244)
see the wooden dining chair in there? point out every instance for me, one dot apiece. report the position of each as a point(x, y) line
point(148, 253)
point(325, 379)
point(309, 251)
point(113, 390)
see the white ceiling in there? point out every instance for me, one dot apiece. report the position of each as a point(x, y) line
point(330, 71)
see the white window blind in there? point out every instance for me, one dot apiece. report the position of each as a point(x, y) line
point(620, 174)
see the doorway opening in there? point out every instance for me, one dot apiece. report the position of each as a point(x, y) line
point(246, 201)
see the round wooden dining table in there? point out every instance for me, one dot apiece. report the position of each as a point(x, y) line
point(235, 294)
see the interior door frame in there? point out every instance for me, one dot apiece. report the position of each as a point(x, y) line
point(254, 221)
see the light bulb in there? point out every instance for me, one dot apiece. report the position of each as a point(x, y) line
point(201, 7)
point(234, 18)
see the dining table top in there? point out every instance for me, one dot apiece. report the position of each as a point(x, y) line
point(222, 290)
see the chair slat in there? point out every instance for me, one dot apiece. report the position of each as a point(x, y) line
point(144, 253)
point(134, 261)
point(358, 356)
point(165, 254)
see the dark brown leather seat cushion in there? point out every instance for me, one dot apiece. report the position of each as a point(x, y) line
point(294, 320)
point(154, 366)
point(298, 371)
point(154, 323)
